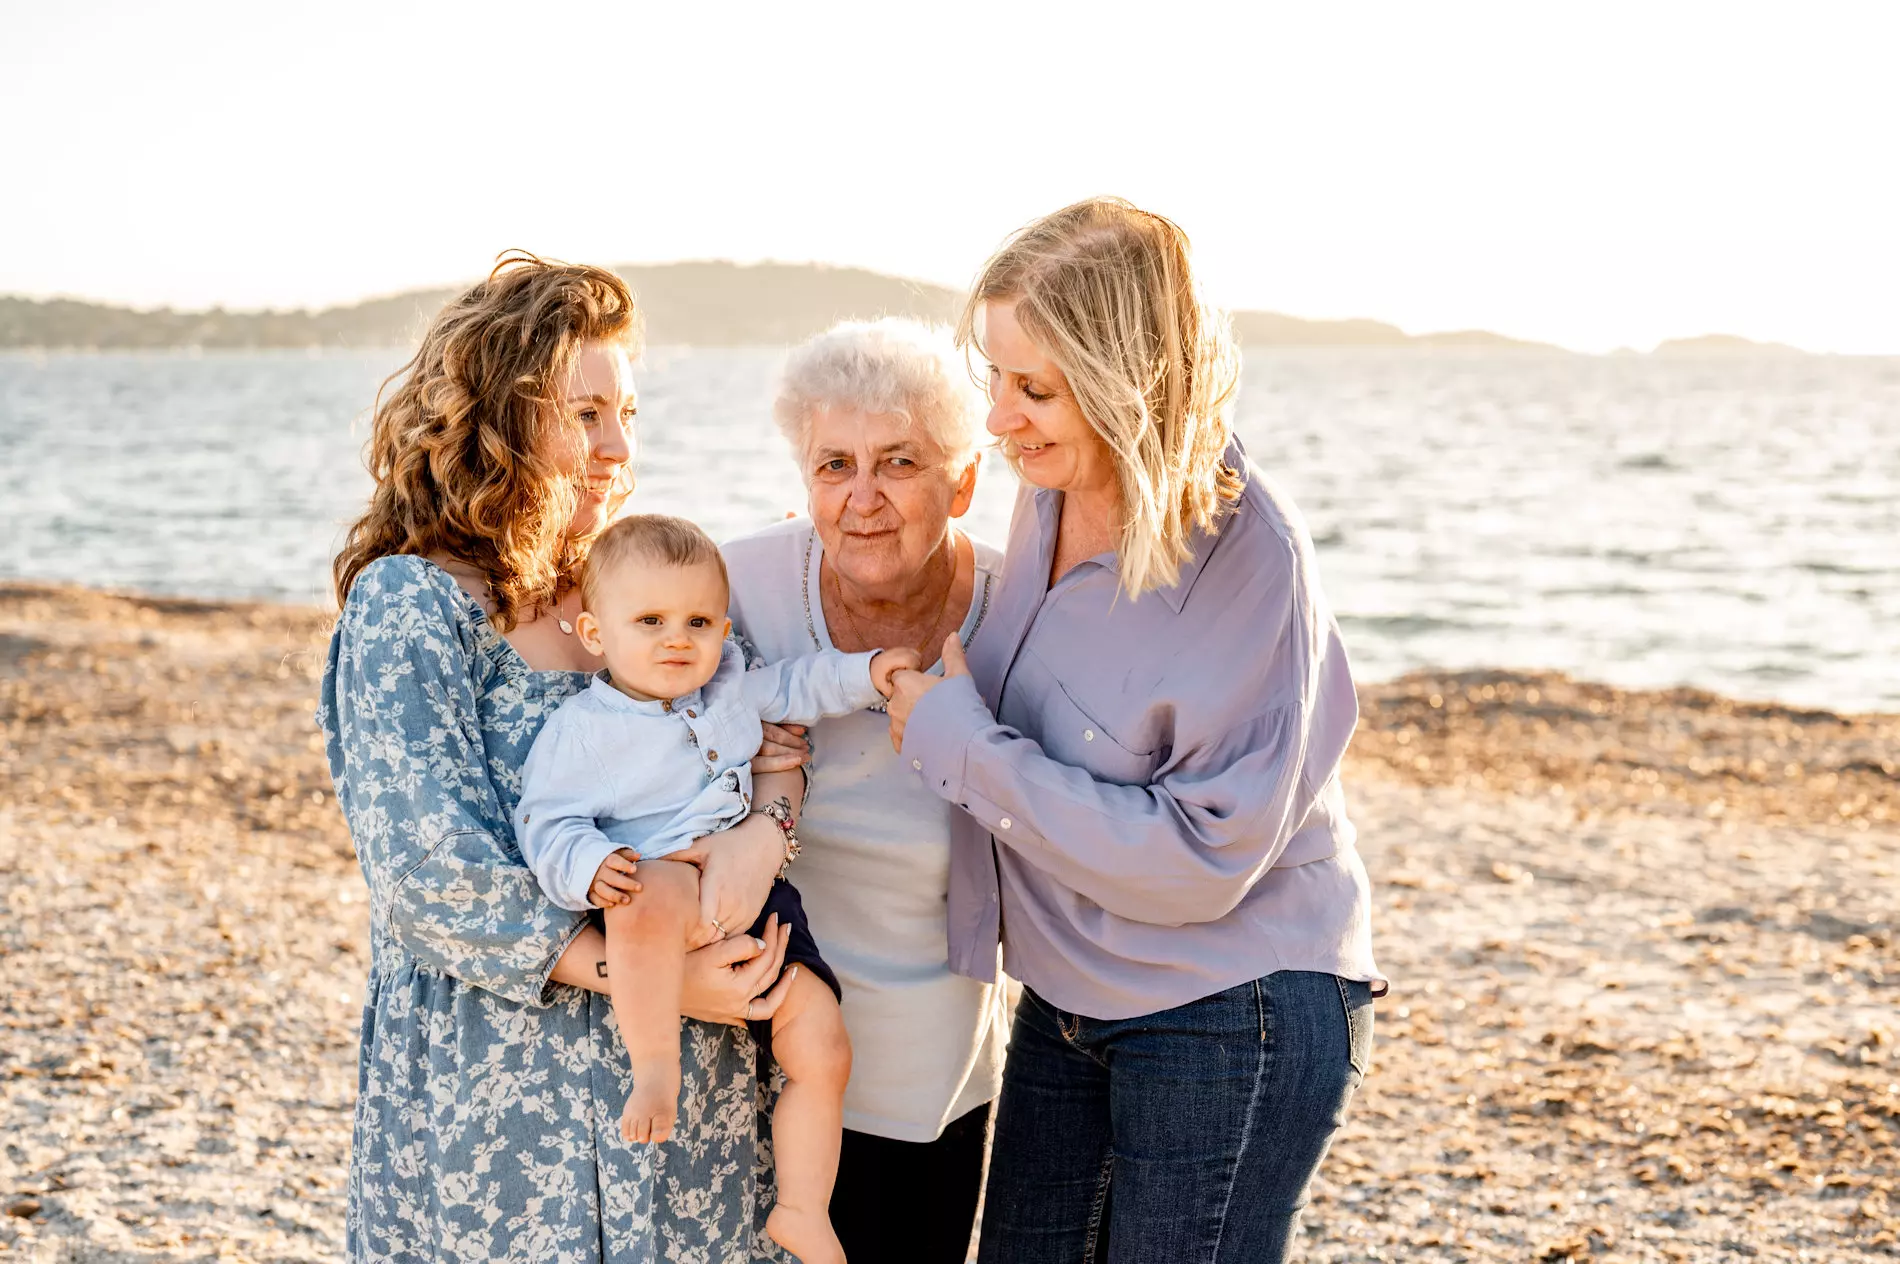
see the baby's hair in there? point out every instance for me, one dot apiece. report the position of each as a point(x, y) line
point(659, 538)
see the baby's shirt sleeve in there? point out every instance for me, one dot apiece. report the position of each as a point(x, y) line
point(564, 790)
point(807, 689)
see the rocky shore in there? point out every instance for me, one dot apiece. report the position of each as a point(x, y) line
point(1642, 947)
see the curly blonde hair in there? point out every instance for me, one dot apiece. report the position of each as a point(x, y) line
point(463, 448)
point(1104, 290)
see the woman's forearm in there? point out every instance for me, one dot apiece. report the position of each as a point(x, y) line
point(789, 786)
point(584, 964)
point(1185, 847)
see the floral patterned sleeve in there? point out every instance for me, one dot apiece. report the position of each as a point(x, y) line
point(406, 751)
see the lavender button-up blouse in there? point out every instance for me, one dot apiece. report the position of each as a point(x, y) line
point(1150, 788)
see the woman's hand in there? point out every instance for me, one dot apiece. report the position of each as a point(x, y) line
point(736, 870)
point(719, 980)
point(724, 979)
point(783, 749)
point(909, 686)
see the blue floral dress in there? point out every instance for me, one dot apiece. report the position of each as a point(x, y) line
point(488, 1098)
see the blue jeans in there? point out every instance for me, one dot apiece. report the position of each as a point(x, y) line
point(1190, 1136)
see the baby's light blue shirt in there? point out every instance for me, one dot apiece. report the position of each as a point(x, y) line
point(609, 771)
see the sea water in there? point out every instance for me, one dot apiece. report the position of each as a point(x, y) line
point(1732, 523)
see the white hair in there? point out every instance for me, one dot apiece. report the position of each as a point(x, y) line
point(892, 366)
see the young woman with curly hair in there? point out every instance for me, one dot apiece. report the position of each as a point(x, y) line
point(491, 1072)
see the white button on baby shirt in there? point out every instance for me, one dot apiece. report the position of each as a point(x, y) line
point(918, 764)
point(1005, 822)
point(1088, 735)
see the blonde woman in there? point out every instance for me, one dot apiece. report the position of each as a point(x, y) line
point(491, 1071)
point(1146, 746)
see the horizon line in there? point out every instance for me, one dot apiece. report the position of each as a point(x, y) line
point(1766, 345)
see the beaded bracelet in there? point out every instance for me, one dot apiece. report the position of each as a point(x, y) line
point(780, 812)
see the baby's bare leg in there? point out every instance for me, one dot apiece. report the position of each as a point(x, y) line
point(646, 961)
point(809, 1041)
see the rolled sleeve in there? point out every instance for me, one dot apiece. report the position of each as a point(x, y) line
point(574, 855)
point(937, 737)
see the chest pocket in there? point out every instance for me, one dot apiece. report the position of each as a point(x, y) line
point(1072, 736)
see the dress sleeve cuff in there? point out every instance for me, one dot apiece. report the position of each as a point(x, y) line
point(548, 990)
point(938, 734)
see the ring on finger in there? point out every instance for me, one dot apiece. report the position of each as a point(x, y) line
point(721, 929)
point(748, 1011)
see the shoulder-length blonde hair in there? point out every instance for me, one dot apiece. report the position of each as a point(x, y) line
point(463, 447)
point(1104, 290)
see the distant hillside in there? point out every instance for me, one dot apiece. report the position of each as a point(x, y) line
point(706, 304)
point(702, 304)
point(1270, 329)
point(1723, 345)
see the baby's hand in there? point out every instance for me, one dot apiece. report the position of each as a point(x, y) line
point(885, 665)
point(613, 882)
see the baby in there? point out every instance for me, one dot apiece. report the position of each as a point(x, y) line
point(651, 756)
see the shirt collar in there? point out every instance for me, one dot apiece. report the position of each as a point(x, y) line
point(602, 687)
point(1200, 546)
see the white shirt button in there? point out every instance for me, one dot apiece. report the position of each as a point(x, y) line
point(1088, 735)
point(918, 764)
point(1005, 822)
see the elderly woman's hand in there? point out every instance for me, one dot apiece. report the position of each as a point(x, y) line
point(783, 749)
point(909, 686)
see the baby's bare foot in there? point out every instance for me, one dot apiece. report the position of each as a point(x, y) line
point(806, 1234)
point(653, 1106)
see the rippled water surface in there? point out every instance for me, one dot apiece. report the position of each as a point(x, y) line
point(1733, 524)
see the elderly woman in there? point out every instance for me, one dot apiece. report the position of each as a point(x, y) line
point(882, 422)
point(1146, 746)
point(492, 1073)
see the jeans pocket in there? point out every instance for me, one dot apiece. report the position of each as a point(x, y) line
point(1058, 1023)
point(1355, 999)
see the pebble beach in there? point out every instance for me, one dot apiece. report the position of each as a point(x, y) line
point(1643, 951)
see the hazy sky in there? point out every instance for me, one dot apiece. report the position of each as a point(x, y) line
point(1593, 174)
